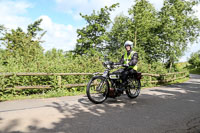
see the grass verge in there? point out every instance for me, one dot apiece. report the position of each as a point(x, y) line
point(169, 83)
point(47, 94)
point(195, 71)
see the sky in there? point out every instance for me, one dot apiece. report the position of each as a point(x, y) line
point(61, 18)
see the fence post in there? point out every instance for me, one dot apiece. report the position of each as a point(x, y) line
point(175, 76)
point(150, 79)
point(162, 78)
point(185, 74)
point(59, 78)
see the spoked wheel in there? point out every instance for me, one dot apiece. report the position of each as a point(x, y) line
point(133, 89)
point(97, 89)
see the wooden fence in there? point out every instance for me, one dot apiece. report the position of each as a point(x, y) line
point(153, 78)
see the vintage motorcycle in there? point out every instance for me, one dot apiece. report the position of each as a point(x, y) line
point(100, 87)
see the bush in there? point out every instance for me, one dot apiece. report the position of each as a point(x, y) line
point(195, 59)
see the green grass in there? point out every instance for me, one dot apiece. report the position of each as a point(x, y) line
point(195, 71)
point(49, 94)
point(178, 81)
point(169, 83)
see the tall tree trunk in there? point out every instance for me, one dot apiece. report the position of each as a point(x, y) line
point(135, 37)
point(170, 67)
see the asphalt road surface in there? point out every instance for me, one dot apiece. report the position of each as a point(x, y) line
point(170, 109)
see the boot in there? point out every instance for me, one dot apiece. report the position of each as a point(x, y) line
point(123, 86)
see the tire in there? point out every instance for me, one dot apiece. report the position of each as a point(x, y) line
point(97, 89)
point(133, 89)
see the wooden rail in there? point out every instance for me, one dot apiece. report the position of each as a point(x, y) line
point(42, 74)
point(162, 79)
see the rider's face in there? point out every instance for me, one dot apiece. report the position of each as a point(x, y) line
point(128, 48)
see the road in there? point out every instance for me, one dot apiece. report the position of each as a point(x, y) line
point(169, 109)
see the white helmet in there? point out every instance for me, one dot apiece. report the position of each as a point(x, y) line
point(128, 43)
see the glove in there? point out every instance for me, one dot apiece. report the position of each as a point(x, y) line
point(125, 65)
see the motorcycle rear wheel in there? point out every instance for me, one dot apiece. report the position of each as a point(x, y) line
point(133, 89)
point(97, 89)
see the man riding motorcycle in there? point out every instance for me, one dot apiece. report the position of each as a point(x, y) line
point(129, 60)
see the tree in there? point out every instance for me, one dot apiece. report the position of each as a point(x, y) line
point(54, 54)
point(92, 37)
point(34, 29)
point(24, 46)
point(178, 28)
point(195, 59)
point(144, 29)
point(119, 33)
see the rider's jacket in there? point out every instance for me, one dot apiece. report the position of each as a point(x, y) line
point(130, 58)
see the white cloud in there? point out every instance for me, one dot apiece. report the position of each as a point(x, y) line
point(58, 36)
point(17, 7)
point(197, 9)
point(87, 6)
point(10, 13)
point(157, 4)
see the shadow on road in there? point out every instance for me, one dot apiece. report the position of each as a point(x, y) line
point(155, 110)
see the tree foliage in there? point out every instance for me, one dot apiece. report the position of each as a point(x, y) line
point(178, 28)
point(195, 59)
point(119, 33)
point(160, 35)
point(145, 29)
point(93, 35)
point(25, 47)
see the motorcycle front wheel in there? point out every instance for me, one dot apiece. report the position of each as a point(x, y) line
point(133, 89)
point(97, 89)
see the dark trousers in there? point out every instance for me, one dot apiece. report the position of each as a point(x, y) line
point(125, 72)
